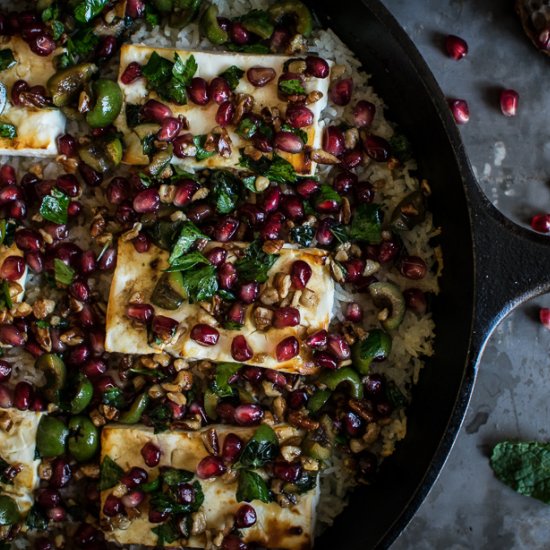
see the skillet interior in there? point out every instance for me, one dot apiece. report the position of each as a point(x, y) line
point(378, 513)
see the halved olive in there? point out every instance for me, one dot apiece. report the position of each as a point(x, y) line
point(409, 212)
point(316, 450)
point(292, 8)
point(210, 403)
point(260, 26)
point(83, 438)
point(51, 437)
point(169, 292)
point(377, 345)
point(146, 130)
point(108, 103)
point(101, 155)
point(346, 375)
point(210, 27)
point(55, 373)
point(389, 297)
point(318, 399)
point(65, 85)
point(83, 395)
point(134, 413)
point(160, 161)
point(9, 512)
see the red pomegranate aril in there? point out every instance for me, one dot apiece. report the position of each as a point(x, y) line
point(287, 471)
point(460, 110)
point(388, 251)
point(80, 290)
point(106, 47)
point(28, 240)
point(66, 145)
point(415, 300)
point(252, 214)
point(376, 147)
point(210, 466)
point(112, 506)
point(248, 415)
point(185, 493)
point(252, 374)
point(333, 141)
point(147, 201)
point(273, 226)
point(300, 274)
point(363, 113)
point(307, 187)
point(245, 516)
point(184, 192)
point(344, 182)
point(56, 514)
point(157, 517)
point(61, 473)
point(287, 349)
point(276, 378)
point(456, 47)
point(338, 346)
point(219, 90)
point(248, 292)
point(216, 256)
point(5, 370)
point(17, 90)
point(200, 212)
point(226, 412)
point(340, 92)
point(57, 232)
point(293, 207)
point(117, 190)
point(325, 360)
point(225, 229)
point(86, 535)
point(297, 399)
point(23, 395)
point(10, 193)
point(286, 317)
point(239, 35)
point(131, 73)
point(90, 176)
point(240, 350)
point(352, 159)
point(224, 114)
point(42, 44)
point(262, 142)
point(104, 383)
point(198, 91)
point(141, 243)
point(354, 312)
point(151, 454)
point(33, 348)
point(544, 317)
point(509, 102)
point(317, 340)
point(78, 354)
point(352, 423)
point(235, 313)
point(317, 66)
point(413, 267)
point(134, 477)
point(87, 262)
point(233, 542)
point(108, 259)
point(74, 209)
point(48, 498)
point(374, 386)
point(12, 268)
point(140, 312)
point(227, 275)
point(169, 129)
point(125, 214)
point(156, 111)
point(205, 334)
point(132, 499)
point(7, 175)
point(35, 261)
point(324, 235)
point(6, 397)
point(260, 76)
point(17, 210)
point(184, 146)
point(271, 199)
point(288, 142)
point(541, 223)
point(94, 368)
point(364, 192)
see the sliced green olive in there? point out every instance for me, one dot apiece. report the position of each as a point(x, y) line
point(210, 403)
point(83, 438)
point(146, 130)
point(169, 292)
point(292, 8)
point(318, 399)
point(346, 375)
point(101, 155)
point(409, 212)
point(377, 345)
point(210, 27)
point(314, 449)
point(83, 395)
point(389, 297)
point(260, 26)
point(3, 97)
point(134, 413)
point(55, 373)
point(160, 161)
point(9, 512)
point(65, 85)
point(108, 103)
point(51, 437)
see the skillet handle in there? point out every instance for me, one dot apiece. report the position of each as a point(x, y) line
point(512, 265)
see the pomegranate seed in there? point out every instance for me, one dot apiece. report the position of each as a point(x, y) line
point(94, 368)
point(460, 110)
point(363, 113)
point(248, 292)
point(276, 378)
point(286, 317)
point(184, 192)
point(232, 447)
point(300, 274)
point(134, 477)
point(377, 148)
point(205, 334)
point(85, 535)
point(156, 111)
point(317, 66)
point(226, 412)
point(66, 145)
point(318, 339)
point(61, 473)
point(307, 187)
point(112, 506)
point(56, 231)
point(293, 207)
point(90, 176)
point(413, 267)
point(415, 300)
point(544, 316)
point(18, 88)
point(245, 516)
point(79, 290)
point(5, 371)
point(297, 399)
point(10, 193)
point(248, 415)
point(106, 47)
point(216, 256)
point(239, 35)
point(236, 313)
point(456, 47)
point(233, 542)
point(354, 312)
point(151, 454)
point(185, 493)
point(325, 360)
point(170, 128)
point(131, 73)
point(6, 398)
point(262, 142)
point(340, 92)
point(273, 226)
point(117, 190)
point(227, 275)
point(287, 471)
point(219, 90)
point(224, 114)
point(509, 102)
point(48, 498)
point(364, 192)
point(35, 261)
point(74, 208)
point(147, 201)
point(28, 240)
point(225, 229)
point(240, 350)
point(288, 142)
point(7, 175)
point(87, 263)
point(374, 386)
point(324, 235)
point(23, 396)
point(338, 346)
point(210, 466)
point(43, 544)
point(260, 76)
point(344, 181)
point(133, 499)
point(56, 514)
point(42, 44)
point(200, 212)
point(79, 354)
point(333, 141)
point(352, 159)
point(271, 199)
point(11, 336)
point(108, 260)
point(157, 517)
point(252, 214)
point(541, 223)
point(353, 423)
point(140, 312)
point(252, 374)
point(287, 349)
point(184, 146)
point(198, 91)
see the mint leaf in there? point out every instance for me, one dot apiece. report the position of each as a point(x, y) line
point(262, 448)
point(225, 191)
point(233, 74)
point(7, 130)
point(110, 473)
point(201, 153)
point(6, 295)
point(87, 10)
point(251, 487)
point(281, 171)
point(366, 224)
point(224, 372)
point(249, 48)
point(6, 59)
point(200, 284)
point(64, 274)
point(190, 260)
point(255, 264)
point(291, 87)
point(157, 70)
point(184, 71)
point(189, 233)
point(54, 207)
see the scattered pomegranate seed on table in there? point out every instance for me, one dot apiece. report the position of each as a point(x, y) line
point(456, 47)
point(544, 316)
point(509, 102)
point(460, 110)
point(541, 223)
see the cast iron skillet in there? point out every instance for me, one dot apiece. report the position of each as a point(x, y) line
point(491, 265)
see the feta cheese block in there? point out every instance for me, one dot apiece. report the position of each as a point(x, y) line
point(276, 527)
point(137, 274)
point(201, 119)
point(13, 250)
point(37, 128)
point(17, 448)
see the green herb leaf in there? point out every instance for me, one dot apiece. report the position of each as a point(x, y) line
point(262, 448)
point(6, 294)
point(401, 147)
point(57, 29)
point(164, 232)
point(252, 487)
point(189, 233)
point(339, 232)
point(36, 519)
point(160, 418)
point(201, 153)
point(258, 22)
point(247, 127)
point(327, 193)
point(4, 466)
point(6, 59)
point(233, 74)
point(224, 372)
point(296, 131)
point(167, 532)
point(114, 398)
point(184, 71)
point(151, 16)
point(224, 191)
point(366, 224)
point(281, 171)
point(110, 473)
point(255, 264)
point(51, 12)
point(524, 466)
point(157, 71)
point(291, 87)
point(249, 48)
point(3, 228)
point(200, 284)
point(395, 395)
point(232, 325)
point(88, 9)
point(302, 234)
point(250, 183)
point(64, 274)
point(306, 482)
point(175, 476)
point(54, 207)
point(82, 43)
point(187, 262)
point(7, 130)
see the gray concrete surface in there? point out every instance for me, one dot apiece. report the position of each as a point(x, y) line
point(467, 507)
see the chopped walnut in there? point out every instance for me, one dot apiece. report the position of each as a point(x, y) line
point(98, 225)
point(322, 157)
point(6, 423)
point(97, 418)
point(272, 246)
point(252, 152)
point(314, 97)
point(245, 104)
point(177, 398)
point(131, 234)
point(20, 309)
point(309, 298)
point(73, 337)
point(261, 183)
point(198, 525)
point(109, 412)
point(269, 296)
point(345, 212)
point(263, 317)
point(42, 308)
point(200, 194)
point(351, 138)
point(282, 283)
point(302, 420)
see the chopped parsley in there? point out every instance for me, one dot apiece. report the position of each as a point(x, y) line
point(255, 264)
point(224, 190)
point(251, 486)
point(278, 169)
point(88, 9)
point(200, 284)
point(109, 474)
point(7, 130)
point(249, 48)
point(302, 234)
point(5, 297)
point(199, 142)
point(224, 372)
point(188, 235)
point(366, 224)
point(291, 87)
point(188, 261)
point(54, 207)
point(232, 75)
point(262, 448)
point(6, 59)
point(64, 274)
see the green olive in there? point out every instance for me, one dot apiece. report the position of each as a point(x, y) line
point(292, 8)
point(108, 103)
point(389, 297)
point(83, 438)
point(169, 292)
point(55, 373)
point(83, 395)
point(211, 401)
point(377, 345)
point(210, 27)
point(65, 85)
point(101, 155)
point(345, 375)
point(51, 437)
point(134, 413)
point(9, 512)
point(260, 26)
point(317, 400)
point(160, 161)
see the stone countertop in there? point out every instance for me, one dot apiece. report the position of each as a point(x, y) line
point(468, 507)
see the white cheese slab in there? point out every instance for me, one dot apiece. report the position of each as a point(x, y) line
point(12, 250)
point(139, 273)
point(290, 528)
point(202, 118)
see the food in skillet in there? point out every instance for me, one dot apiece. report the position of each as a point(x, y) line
point(215, 269)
